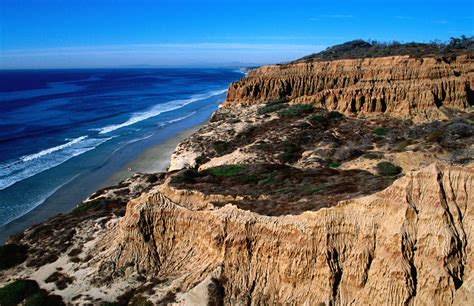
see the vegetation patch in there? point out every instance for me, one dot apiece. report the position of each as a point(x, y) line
point(334, 165)
point(220, 147)
point(226, 170)
point(372, 155)
point(89, 205)
point(318, 119)
point(335, 115)
point(291, 152)
point(270, 108)
point(296, 110)
point(27, 292)
point(381, 131)
point(388, 169)
point(186, 176)
point(12, 255)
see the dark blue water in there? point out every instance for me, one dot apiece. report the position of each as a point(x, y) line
point(57, 124)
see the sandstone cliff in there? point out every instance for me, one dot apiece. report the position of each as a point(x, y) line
point(400, 86)
point(409, 244)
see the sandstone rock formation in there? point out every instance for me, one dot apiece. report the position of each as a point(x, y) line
point(409, 244)
point(401, 86)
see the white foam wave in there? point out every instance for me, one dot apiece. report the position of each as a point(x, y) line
point(159, 109)
point(30, 165)
point(177, 119)
point(53, 149)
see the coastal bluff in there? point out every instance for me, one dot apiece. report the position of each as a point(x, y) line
point(343, 182)
point(401, 86)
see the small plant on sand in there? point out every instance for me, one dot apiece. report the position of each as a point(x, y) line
point(334, 165)
point(381, 131)
point(14, 293)
point(220, 147)
point(335, 115)
point(291, 152)
point(270, 108)
point(226, 170)
point(372, 155)
point(388, 169)
point(12, 255)
point(318, 119)
point(296, 110)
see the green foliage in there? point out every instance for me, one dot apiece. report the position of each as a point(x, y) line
point(436, 136)
point(388, 169)
point(291, 152)
point(318, 119)
point(381, 131)
point(296, 110)
point(310, 190)
point(270, 108)
point(372, 155)
point(334, 165)
point(226, 170)
point(335, 115)
point(139, 300)
point(185, 176)
point(87, 206)
point(41, 298)
point(220, 147)
point(365, 49)
point(12, 255)
point(14, 293)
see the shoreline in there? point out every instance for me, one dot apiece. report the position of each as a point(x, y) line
point(153, 159)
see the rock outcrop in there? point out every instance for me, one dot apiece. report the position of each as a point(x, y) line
point(409, 244)
point(400, 86)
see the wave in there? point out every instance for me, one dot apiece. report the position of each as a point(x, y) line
point(159, 109)
point(30, 165)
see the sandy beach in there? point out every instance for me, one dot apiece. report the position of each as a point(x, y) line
point(153, 159)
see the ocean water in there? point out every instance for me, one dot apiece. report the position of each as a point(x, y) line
point(56, 125)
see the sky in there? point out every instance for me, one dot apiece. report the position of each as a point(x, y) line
point(174, 33)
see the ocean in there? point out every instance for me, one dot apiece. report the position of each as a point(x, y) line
point(59, 125)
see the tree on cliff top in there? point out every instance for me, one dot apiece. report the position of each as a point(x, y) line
point(362, 49)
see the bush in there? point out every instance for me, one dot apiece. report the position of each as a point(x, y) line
point(226, 170)
point(381, 131)
point(12, 255)
point(388, 169)
point(318, 119)
point(88, 206)
point(372, 155)
point(335, 115)
point(291, 152)
point(14, 293)
point(186, 176)
point(220, 147)
point(334, 165)
point(270, 108)
point(296, 110)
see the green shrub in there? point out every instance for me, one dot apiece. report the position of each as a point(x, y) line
point(87, 206)
point(335, 115)
point(381, 131)
point(185, 176)
point(436, 136)
point(291, 152)
point(12, 255)
point(296, 110)
point(372, 155)
point(318, 119)
point(226, 170)
point(14, 293)
point(270, 108)
point(334, 165)
point(139, 300)
point(41, 298)
point(220, 147)
point(388, 169)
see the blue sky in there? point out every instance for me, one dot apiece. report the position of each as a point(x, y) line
point(120, 33)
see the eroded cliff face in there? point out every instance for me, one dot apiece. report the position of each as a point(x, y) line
point(400, 86)
point(409, 244)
